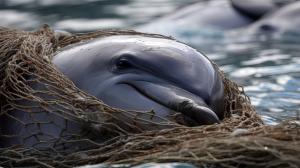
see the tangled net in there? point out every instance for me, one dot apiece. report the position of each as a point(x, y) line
point(32, 88)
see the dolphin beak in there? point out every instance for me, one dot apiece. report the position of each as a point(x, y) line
point(179, 100)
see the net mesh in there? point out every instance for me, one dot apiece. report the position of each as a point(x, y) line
point(46, 121)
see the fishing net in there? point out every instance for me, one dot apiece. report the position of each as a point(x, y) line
point(46, 121)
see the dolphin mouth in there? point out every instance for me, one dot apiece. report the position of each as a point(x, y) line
point(193, 108)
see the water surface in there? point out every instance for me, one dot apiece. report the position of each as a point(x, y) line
point(269, 69)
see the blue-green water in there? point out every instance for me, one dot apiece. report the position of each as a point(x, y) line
point(268, 69)
point(270, 73)
point(84, 15)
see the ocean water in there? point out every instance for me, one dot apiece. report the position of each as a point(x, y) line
point(269, 69)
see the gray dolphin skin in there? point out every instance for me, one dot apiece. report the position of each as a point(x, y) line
point(222, 15)
point(145, 73)
point(129, 72)
point(281, 21)
point(256, 9)
point(216, 14)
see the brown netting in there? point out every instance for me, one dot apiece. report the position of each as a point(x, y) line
point(34, 96)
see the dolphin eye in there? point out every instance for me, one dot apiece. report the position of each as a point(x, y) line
point(123, 63)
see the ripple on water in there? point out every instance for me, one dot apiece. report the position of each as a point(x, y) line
point(270, 73)
point(14, 18)
point(269, 69)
